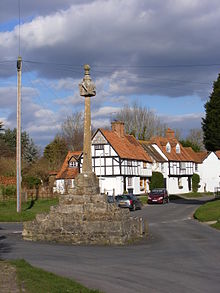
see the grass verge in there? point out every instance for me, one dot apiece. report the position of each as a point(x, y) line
point(30, 208)
point(196, 194)
point(174, 197)
point(143, 198)
point(210, 211)
point(35, 280)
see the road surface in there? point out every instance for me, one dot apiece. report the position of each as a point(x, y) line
point(180, 255)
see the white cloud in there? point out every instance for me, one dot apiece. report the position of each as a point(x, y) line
point(121, 40)
point(105, 111)
point(183, 122)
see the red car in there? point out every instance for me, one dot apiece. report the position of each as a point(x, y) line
point(159, 195)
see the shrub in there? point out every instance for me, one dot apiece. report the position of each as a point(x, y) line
point(195, 182)
point(2, 189)
point(157, 180)
point(31, 182)
point(9, 190)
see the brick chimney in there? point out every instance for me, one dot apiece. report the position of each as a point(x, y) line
point(118, 127)
point(170, 133)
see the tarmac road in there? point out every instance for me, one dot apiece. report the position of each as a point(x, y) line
point(180, 255)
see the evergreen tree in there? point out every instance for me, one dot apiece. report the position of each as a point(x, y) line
point(195, 182)
point(188, 143)
point(157, 180)
point(211, 123)
point(29, 151)
point(55, 152)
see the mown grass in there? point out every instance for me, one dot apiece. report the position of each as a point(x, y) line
point(36, 280)
point(143, 198)
point(210, 211)
point(196, 194)
point(30, 208)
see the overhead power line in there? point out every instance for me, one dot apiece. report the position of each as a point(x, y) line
point(124, 66)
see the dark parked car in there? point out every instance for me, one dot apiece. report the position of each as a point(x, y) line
point(128, 201)
point(159, 195)
point(110, 199)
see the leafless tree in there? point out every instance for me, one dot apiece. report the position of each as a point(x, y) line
point(1, 126)
point(141, 122)
point(196, 137)
point(72, 131)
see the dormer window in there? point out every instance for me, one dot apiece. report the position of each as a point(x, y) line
point(178, 149)
point(168, 147)
point(72, 164)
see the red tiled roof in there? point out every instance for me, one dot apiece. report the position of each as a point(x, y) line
point(151, 151)
point(218, 154)
point(202, 155)
point(127, 147)
point(198, 157)
point(161, 142)
point(67, 172)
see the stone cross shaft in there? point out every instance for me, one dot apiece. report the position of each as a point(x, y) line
point(87, 90)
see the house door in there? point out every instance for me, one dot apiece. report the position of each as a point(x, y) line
point(189, 183)
point(165, 183)
point(124, 178)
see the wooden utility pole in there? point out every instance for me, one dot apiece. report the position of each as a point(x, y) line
point(18, 140)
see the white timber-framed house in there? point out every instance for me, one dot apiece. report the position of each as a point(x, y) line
point(178, 167)
point(119, 161)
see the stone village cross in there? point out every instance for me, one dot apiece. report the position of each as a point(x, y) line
point(83, 215)
point(87, 182)
point(87, 90)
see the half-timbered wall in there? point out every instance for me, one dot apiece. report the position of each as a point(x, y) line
point(114, 172)
point(180, 168)
point(178, 185)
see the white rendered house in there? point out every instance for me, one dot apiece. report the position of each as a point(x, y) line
point(209, 171)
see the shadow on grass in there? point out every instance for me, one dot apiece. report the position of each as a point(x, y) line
point(191, 201)
point(31, 204)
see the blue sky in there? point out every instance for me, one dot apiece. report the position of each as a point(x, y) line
point(163, 54)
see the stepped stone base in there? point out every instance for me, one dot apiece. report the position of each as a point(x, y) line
point(85, 219)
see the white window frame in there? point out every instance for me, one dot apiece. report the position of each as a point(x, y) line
point(178, 149)
point(168, 147)
point(73, 164)
point(130, 181)
point(99, 147)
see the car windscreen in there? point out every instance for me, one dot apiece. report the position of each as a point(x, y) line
point(123, 196)
point(157, 192)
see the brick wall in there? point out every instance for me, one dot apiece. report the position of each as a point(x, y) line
point(7, 180)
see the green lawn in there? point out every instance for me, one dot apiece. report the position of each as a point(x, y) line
point(35, 280)
point(210, 211)
point(143, 198)
point(196, 194)
point(8, 211)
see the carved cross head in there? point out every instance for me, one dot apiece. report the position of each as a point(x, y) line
point(87, 87)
